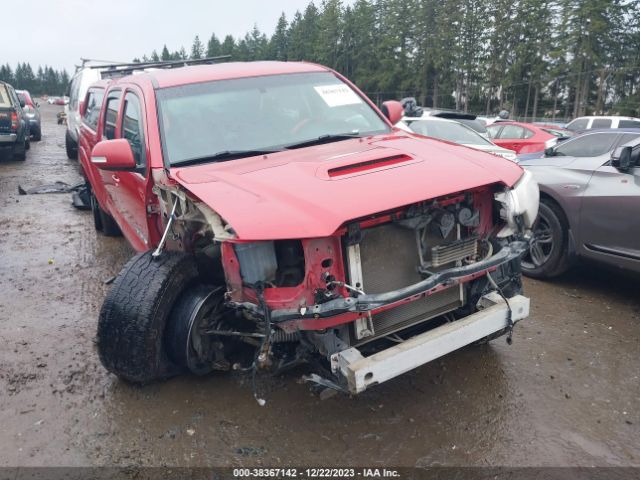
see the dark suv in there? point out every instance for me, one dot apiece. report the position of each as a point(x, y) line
point(14, 126)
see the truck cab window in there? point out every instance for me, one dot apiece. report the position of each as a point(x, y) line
point(132, 127)
point(111, 115)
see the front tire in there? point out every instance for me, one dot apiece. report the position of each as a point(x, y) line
point(71, 146)
point(20, 153)
point(134, 315)
point(548, 255)
point(95, 210)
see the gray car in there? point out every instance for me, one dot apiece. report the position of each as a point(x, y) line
point(589, 203)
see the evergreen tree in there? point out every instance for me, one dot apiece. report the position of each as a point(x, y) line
point(197, 49)
point(534, 58)
point(214, 47)
point(228, 46)
point(327, 43)
point(279, 43)
point(295, 50)
point(165, 55)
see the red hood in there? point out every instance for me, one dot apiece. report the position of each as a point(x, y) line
point(298, 194)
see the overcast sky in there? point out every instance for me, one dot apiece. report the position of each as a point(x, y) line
point(59, 32)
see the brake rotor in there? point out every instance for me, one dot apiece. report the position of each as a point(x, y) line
point(196, 311)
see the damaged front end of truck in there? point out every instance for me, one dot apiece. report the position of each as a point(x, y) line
point(385, 293)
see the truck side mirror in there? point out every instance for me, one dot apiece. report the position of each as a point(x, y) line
point(621, 158)
point(113, 154)
point(549, 152)
point(393, 110)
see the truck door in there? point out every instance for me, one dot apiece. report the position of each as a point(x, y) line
point(130, 187)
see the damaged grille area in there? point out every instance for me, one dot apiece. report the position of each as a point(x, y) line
point(389, 260)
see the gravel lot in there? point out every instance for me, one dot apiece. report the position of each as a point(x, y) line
point(566, 392)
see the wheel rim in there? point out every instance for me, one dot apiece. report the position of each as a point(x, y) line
point(199, 349)
point(192, 347)
point(542, 244)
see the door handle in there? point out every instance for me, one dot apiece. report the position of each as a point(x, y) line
point(115, 178)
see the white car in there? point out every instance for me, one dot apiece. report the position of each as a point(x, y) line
point(80, 82)
point(589, 123)
point(453, 131)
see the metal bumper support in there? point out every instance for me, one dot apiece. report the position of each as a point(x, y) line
point(364, 372)
point(369, 302)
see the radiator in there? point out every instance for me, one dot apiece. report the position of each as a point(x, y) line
point(388, 261)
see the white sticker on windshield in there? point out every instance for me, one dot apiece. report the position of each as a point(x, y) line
point(338, 95)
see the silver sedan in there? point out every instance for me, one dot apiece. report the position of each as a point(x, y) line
point(589, 203)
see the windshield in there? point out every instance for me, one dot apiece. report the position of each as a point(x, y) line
point(451, 131)
point(258, 114)
point(476, 124)
point(5, 101)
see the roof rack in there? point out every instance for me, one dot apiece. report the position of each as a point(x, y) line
point(122, 69)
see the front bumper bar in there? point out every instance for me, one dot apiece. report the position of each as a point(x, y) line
point(368, 302)
point(362, 372)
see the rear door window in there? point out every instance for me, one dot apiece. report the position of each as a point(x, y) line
point(74, 92)
point(132, 128)
point(527, 133)
point(5, 101)
point(92, 110)
point(578, 124)
point(629, 124)
point(592, 145)
point(601, 123)
point(494, 130)
point(111, 110)
point(511, 131)
point(628, 137)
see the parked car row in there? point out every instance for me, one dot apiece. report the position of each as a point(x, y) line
point(57, 100)
point(15, 134)
point(32, 113)
point(526, 137)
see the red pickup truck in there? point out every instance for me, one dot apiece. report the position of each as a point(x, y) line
point(281, 219)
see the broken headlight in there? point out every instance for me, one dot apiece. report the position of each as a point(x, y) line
point(519, 205)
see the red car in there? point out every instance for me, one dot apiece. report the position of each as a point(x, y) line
point(281, 219)
point(524, 137)
point(32, 112)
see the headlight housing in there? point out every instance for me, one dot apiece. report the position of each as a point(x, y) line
point(519, 205)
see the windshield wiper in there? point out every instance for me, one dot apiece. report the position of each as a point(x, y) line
point(224, 156)
point(323, 139)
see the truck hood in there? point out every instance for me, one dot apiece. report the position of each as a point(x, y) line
point(310, 192)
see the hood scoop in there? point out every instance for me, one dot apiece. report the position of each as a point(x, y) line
point(367, 166)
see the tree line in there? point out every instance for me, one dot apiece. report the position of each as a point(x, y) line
point(534, 58)
point(45, 80)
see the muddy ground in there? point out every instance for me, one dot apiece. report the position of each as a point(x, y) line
point(566, 392)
